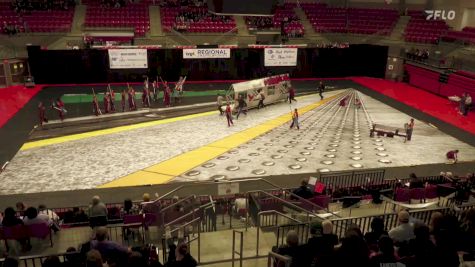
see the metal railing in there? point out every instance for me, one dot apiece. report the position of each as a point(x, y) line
point(274, 259)
point(37, 260)
point(182, 234)
point(352, 178)
point(241, 244)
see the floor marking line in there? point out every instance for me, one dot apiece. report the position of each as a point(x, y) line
point(185, 162)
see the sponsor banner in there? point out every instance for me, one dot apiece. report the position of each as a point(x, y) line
point(280, 57)
point(128, 58)
point(201, 53)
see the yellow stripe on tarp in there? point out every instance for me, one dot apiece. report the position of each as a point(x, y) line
point(74, 137)
point(168, 169)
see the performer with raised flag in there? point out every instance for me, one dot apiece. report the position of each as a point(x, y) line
point(122, 100)
point(179, 89)
point(59, 106)
point(146, 94)
point(95, 104)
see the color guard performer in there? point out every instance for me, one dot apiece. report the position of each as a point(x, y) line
point(229, 115)
point(131, 98)
point(58, 105)
point(106, 102)
point(95, 104)
point(155, 91)
point(122, 100)
point(166, 93)
point(146, 95)
point(112, 98)
point(42, 113)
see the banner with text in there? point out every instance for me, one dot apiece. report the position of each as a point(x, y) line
point(202, 53)
point(128, 58)
point(280, 57)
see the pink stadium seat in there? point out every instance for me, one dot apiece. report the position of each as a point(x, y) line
point(402, 195)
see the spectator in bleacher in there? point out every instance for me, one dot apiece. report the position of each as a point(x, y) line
point(415, 182)
point(11, 262)
point(137, 260)
point(303, 191)
point(182, 258)
point(72, 258)
point(321, 244)
point(434, 221)
point(353, 251)
point(404, 231)
point(377, 230)
point(108, 249)
point(292, 249)
point(20, 207)
point(32, 217)
point(97, 208)
point(447, 240)
point(52, 261)
point(421, 249)
point(129, 208)
point(48, 212)
point(94, 259)
point(385, 255)
point(10, 219)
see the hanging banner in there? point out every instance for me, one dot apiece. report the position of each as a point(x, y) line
point(228, 189)
point(128, 58)
point(203, 53)
point(285, 57)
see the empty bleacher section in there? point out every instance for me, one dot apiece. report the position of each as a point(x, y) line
point(195, 19)
point(54, 19)
point(132, 16)
point(421, 30)
point(351, 20)
point(284, 16)
point(467, 35)
point(429, 80)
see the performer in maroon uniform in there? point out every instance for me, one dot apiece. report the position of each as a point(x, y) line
point(122, 100)
point(112, 99)
point(155, 91)
point(131, 98)
point(166, 94)
point(95, 106)
point(106, 102)
point(145, 98)
point(58, 105)
point(292, 95)
point(229, 115)
point(42, 113)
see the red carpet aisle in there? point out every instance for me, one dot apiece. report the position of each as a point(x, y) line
point(426, 102)
point(13, 98)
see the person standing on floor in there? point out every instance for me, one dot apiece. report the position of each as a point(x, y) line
point(95, 106)
point(229, 115)
point(131, 98)
point(242, 106)
point(262, 97)
point(122, 100)
point(58, 105)
point(155, 91)
point(106, 102)
point(462, 104)
point(219, 103)
point(291, 95)
point(321, 89)
point(452, 156)
point(295, 120)
point(42, 113)
point(112, 99)
point(467, 104)
point(409, 129)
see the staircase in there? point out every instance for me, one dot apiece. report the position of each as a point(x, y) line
point(155, 21)
point(398, 31)
point(241, 25)
point(78, 20)
point(305, 22)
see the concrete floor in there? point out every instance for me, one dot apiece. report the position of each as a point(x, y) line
point(331, 138)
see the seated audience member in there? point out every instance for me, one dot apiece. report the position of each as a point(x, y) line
point(352, 252)
point(32, 217)
point(51, 214)
point(434, 221)
point(108, 249)
point(303, 191)
point(420, 249)
point(321, 244)
point(52, 261)
point(385, 256)
point(415, 182)
point(97, 208)
point(149, 206)
point(94, 259)
point(135, 259)
point(404, 231)
point(468, 230)
point(182, 258)
point(10, 219)
point(377, 230)
point(20, 208)
point(292, 249)
point(11, 262)
point(72, 258)
point(452, 156)
point(129, 208)
point(447, 238)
